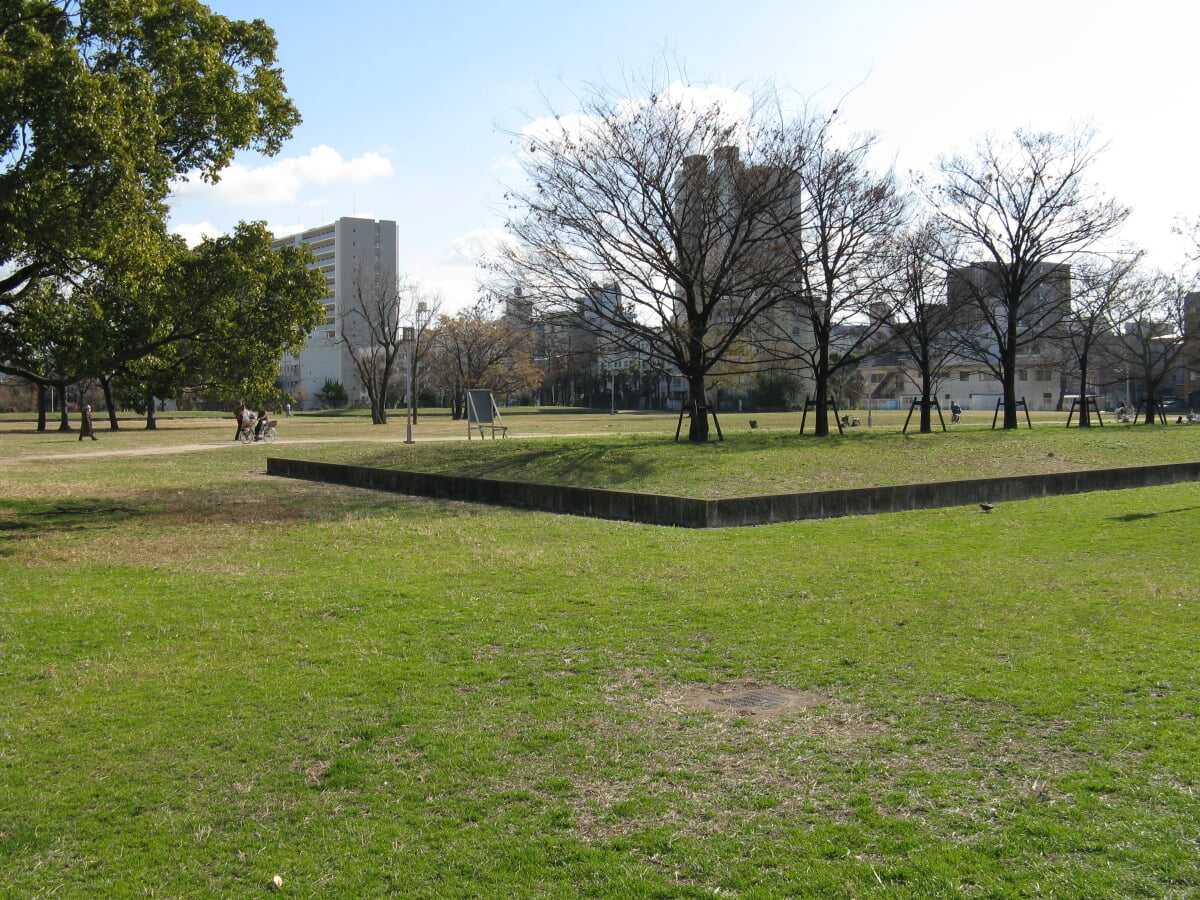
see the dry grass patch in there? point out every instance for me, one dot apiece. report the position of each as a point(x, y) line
point(747, 698)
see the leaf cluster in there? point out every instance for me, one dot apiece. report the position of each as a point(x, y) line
point(102, 104)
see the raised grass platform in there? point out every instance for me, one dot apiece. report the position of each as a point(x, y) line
point(688, 512)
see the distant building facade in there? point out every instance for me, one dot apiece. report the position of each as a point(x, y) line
point(893, 382)
point(1191, 356)
point(778, 342)
point(347, 251)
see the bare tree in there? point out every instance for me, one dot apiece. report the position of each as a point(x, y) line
point(477, 350)
point(371, 328)
point(425, 317)
point(1149, 330)
point(1192, 350)
point(1023, 213)
point(838, 259)
point(680, 198)
point(1101, 296)
point(916, 311)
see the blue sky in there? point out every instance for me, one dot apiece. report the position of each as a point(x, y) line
point(407, 105)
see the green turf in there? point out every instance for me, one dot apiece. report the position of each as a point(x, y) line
point(209, 678)
point(779, 461)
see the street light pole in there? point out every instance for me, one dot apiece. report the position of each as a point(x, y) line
point(409, 337)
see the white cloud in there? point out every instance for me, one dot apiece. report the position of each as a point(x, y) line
point(194, 234)
point(285, 230)
point(504, 165)
point(475, 246)
point(698, 100)
point(734, 108)
point(281, 181)
point(455, 274)
point(456, 287)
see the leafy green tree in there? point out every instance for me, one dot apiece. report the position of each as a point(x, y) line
point(247, 305)
point(47, 343)
point(218, 316)
point(103, 103)
point(332, 395)
point(774, 391)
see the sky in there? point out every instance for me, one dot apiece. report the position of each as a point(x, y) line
point(409, 109)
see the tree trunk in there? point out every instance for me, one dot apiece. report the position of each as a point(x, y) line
point(1151, 401)
point(43, 402)
point(1085, 416)
point(821, 391)
point(821, 398)
point(378, 407)
point(926, 411)
point(1008, 381)
point(457, 403)
point(698, 429)
point(106, 384)
point(151, 422)
point(64, 419)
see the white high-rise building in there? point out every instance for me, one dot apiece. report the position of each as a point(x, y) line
point(348, 252)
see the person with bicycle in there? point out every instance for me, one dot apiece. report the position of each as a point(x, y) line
point(238, 413)
point(955, 412)
point(261, 425)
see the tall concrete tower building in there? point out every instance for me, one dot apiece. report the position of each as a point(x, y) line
point(349, 252)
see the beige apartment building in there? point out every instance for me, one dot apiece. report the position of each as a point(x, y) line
point(894, 385)
point(347, 251)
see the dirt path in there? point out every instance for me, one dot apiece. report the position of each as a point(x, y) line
point(217, 445)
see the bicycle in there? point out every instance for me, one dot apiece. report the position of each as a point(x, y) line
point(247, 436)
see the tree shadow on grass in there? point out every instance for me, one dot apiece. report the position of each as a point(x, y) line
point(578, 463)
point(31, 519)
point(23, 520)
point(1137, 517)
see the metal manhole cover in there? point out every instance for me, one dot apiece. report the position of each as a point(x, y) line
point(748, 698)
point(752, 700)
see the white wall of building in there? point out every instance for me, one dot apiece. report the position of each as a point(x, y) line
point(345, 250)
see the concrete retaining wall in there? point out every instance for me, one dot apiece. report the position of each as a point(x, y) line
point(656, 509)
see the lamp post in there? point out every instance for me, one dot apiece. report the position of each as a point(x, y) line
point(409, 336)
point(422, 319)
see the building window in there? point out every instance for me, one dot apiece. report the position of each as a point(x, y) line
point(982, 376)
point(964, 376)
point(1044, 375)
point(1022, 374)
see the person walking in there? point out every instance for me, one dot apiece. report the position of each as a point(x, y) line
point(239, 414)
point(85, 424)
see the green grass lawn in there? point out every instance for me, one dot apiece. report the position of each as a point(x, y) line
point(783, 461)
point(209, 678)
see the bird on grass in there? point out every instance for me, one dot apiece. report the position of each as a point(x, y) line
point(987, 507)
